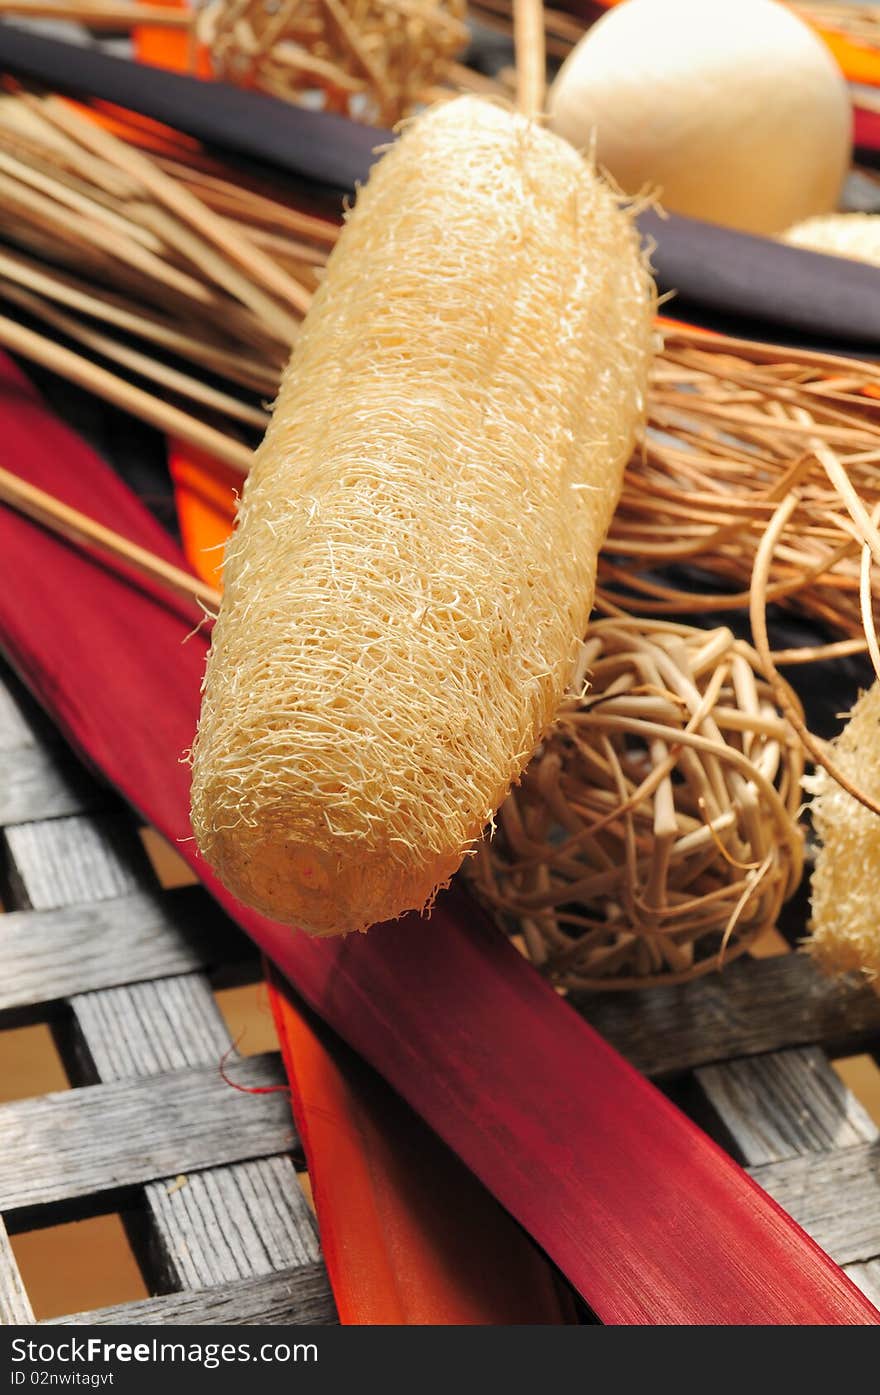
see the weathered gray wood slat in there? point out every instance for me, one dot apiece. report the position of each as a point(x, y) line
point(867, 1276)
point(147, 1029)
point(292, 1296)
point(234, 1223)
point(83, 1142)
point(835, 1196)
point(45, 955)
point(811, 1145)
point(785, 1104)
point(754, 1006)
point(36, 783)
point(219, 1224)
point(15, 1306)
point(64, 861)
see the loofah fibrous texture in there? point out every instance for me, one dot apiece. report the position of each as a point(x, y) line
point(853, 235)
point(413, 565)
point(845, 925)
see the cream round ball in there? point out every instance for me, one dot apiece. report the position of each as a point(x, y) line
point(734, 113)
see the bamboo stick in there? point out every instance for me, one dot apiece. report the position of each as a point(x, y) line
point(140, 363)
point(216, 229)
point(95, 14)
point(81, 530)
point(60, 190)
point(78, 295)
point(267, 314)
point(122, 394)
point(69, 225)
point(21, 115)
point(258, 207)
point(531, 59)
point(33, 146)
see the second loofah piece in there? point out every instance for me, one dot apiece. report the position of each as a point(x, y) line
point(414, 561)
point(854, 235)
point(845, 929)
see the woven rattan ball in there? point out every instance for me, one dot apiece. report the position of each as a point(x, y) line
point(655, 833)
point(370, 59)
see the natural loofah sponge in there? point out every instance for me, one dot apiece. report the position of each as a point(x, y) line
point(854, 235)
point(845, 928)
point(413, 565)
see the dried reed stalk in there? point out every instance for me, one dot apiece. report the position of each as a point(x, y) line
point(735, 428)
point(86, 532)
point(561, 30)
point(192, 265)
point(531, 65)
point(98, 14)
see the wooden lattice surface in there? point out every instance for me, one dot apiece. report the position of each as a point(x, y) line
point(92, 944)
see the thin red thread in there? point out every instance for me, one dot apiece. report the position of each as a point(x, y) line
point(246, 1089)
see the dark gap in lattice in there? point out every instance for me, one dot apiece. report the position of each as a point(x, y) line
point(120, 830)
point(38, 1216)
point(840, 1047)
point(795, 914)
point(198, 919)
point(687, 1094)
point(158, 1267)
point(29, 1013)
point(32, 714)
point(74, 1051)
point(246, 970)
point(13, 896)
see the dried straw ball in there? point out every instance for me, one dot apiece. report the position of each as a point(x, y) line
point(370, 59)
point(853, 235)
point(735, 113)
point(845, 929)
point(654, 835)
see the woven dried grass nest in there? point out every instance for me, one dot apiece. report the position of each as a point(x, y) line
point(654, 836)
point(370, 59)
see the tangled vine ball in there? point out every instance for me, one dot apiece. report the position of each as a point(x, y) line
point(655, 833)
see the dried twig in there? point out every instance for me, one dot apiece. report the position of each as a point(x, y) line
point(69, 523)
